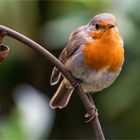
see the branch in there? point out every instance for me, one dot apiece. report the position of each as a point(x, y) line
point(84, 98)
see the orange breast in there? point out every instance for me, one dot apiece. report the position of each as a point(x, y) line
point(104, 52)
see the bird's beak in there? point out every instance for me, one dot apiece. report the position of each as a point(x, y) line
point(110, 25)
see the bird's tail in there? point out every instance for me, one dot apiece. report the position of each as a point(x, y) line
point(61, 97)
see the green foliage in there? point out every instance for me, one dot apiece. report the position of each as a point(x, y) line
point(12, 128)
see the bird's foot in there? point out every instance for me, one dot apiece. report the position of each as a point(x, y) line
point(91, 114)
point(76, 83)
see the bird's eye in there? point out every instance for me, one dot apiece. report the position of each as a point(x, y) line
point(97, 26)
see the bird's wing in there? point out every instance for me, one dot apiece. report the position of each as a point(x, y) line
point(76, 39)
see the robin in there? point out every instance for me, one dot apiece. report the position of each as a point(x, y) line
point(94, 56)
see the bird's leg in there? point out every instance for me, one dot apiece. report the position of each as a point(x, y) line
point(92, 113)
point(90, 98)
point(76, 81)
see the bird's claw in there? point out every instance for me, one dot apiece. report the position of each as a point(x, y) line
point(91, 114)
point(76, 83)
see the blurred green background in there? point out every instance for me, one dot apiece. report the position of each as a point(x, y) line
point(50, 23)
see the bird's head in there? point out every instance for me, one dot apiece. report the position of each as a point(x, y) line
point(102, 24)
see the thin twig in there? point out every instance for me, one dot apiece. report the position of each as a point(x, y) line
point(88, 105)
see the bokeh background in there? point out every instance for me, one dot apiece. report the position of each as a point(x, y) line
point(24, 77)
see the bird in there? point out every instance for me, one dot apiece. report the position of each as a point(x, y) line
point(94, 55)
